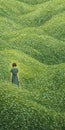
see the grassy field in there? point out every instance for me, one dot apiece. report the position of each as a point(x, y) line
point(32, 34)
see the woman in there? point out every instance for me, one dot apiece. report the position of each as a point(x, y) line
point(14, 74)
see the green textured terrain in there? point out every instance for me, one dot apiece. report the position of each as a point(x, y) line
point(32, 34)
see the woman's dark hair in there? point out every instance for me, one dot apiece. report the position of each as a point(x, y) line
point(14, 64)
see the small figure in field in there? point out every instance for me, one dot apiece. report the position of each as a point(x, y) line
point(14, 74)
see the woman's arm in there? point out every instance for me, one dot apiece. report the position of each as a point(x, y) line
point(11, 76)
point(18, 76)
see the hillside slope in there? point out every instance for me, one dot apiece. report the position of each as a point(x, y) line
point(32, 34)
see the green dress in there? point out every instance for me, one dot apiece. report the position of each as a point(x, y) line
point(14, 72)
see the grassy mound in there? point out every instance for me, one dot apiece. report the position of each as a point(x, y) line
point(22, 109)
point(56, 27)
point(33, 2)
point(43, 48)
point(25, 15)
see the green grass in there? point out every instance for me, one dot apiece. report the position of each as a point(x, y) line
point(32, 34)
point(56, 27)
point(22, 109)
point(33, 2)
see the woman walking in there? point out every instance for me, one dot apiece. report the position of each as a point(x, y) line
point(14, 74)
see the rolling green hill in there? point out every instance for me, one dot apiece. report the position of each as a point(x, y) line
point(32, 34)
